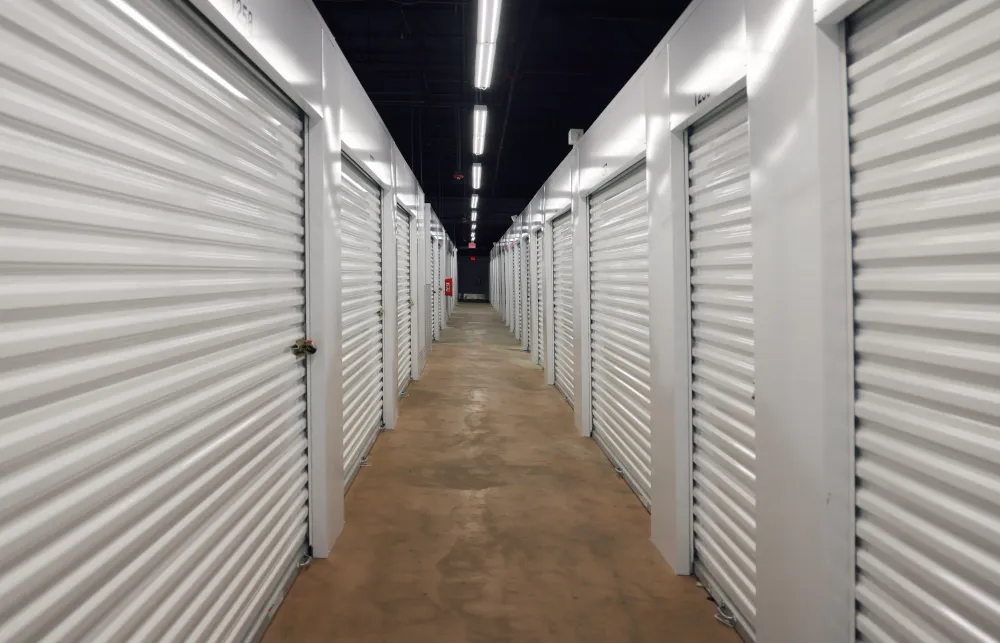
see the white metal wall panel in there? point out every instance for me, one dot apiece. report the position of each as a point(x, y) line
point(722, 367)
point(361, 314)
point(540, 295)
point(152, 413)
point(404, 301)
point(619, 327)
point(562, 303)
point(924, 84)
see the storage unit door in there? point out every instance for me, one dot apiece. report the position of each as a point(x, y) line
point(526, 292)
point(540, 294)
point(152, 414)
point(722, 364)
point(924, 88)
point(619, 327)
point(434, 297)
point(518, 289)
point(361, 315)
point(404, 303)
point(562, 303)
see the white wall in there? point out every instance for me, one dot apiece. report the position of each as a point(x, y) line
point(787, 56)
point(289, 41)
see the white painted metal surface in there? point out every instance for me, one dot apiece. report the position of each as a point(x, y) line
point(404, 300)
point(722, 352)
point(619, 331)
point(433, 289)
point(924, 82)
point(562, 304)
point(152, 414)
point(361, 315)
point(539, 296)
point(519, 282)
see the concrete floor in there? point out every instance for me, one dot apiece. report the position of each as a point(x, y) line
point(485, 518)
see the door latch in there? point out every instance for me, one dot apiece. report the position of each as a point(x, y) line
point(303, 347)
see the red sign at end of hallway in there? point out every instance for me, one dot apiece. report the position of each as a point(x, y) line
point(472, 246)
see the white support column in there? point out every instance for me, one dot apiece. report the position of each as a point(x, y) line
point(802, 307)
point(326, 438)
point(390, 322)
point(581, 307)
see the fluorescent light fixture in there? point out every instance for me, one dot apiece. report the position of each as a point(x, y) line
point(473, 227)
point(477, 175)
point(486, 41)
point(475, 201)
point(478, 129)
point(473, 215)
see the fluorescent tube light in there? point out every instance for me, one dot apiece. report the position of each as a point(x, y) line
point(478, 129)
point(475, 201)
point(477, 175)
point(486, 41)
point(473, 215)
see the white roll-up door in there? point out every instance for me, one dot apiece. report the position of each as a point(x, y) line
point(619, 323)
point(404, 302)
point(518, 289)
point(540, 294)
point(722, 366)
point(434, 292)
point(924, 81)
point(361, 314)
point(526, 292)
point(439, 288)
point(152, 412)
point(562, 303)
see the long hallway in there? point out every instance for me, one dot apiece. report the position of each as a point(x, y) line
point(485, 518)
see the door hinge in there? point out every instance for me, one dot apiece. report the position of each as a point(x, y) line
point(303, 347)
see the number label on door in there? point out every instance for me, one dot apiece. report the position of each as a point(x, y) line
point(243, 15)
point(701, 98)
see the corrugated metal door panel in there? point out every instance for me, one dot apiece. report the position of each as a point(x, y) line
point(619, 314)
point(562, 303)
point(152, 416)
point(540, 294)
point(404, 303)
point(434, 298)
point(924, 88)
point(722, 368)
point(361, 314)
point(518, 288)
point(529, 317)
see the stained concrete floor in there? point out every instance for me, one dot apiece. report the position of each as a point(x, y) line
point(485, 518)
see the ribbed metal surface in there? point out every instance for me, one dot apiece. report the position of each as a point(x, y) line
point(361, 314)
point(152, 414)
point(404, 302)
point(924, 83)
point(540, 296)
point(438, 288)
point(722, 345)
point(562, 303)
point(519, 282)
point(434, 292)
point(619, 327)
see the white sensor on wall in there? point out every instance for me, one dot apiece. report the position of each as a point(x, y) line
point(486, 41)
point(477, 175)
point(478, 129)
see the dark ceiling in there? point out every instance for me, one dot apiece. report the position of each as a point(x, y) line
point(558, 64)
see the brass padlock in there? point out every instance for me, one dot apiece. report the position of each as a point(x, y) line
point(303, 347)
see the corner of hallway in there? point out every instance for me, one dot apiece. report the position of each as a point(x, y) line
point(484, 517)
